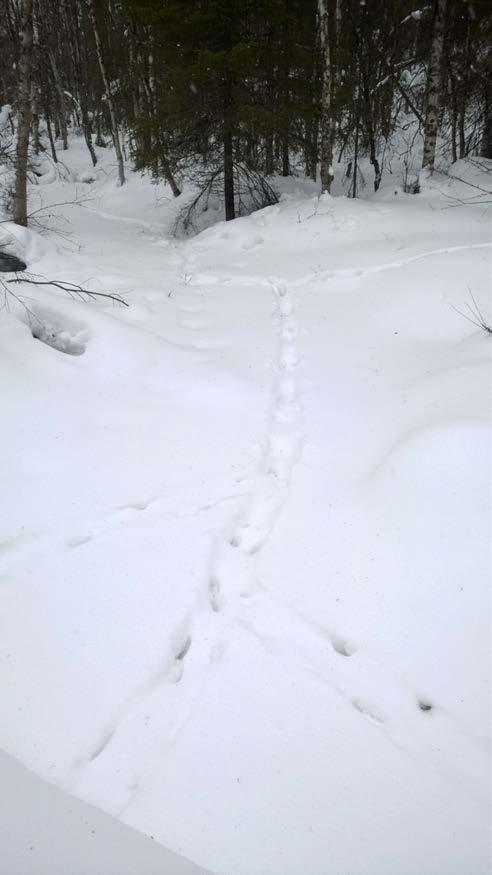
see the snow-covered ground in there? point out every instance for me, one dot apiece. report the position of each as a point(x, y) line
point(244, 530)
point(44, 831)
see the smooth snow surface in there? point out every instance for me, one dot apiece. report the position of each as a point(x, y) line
point(43, 831)
point(244, 526)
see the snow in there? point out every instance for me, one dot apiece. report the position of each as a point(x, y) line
point(40, 828)
point(244, 525)
point(5, 112)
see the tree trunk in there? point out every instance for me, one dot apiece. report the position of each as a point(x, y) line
point(461, 130)
point(434, 78)
point(87, 129)
point(371, 136)
point(228, 145)
point(109, 100)
point(230, 210)
point(310, 149)
point(486, 145)
point(63, 127)
point(454, 111)
point(468, 63)
point(358, 102)
point(270, 100)
point(269, 154)
point(168, 175)
point(23, 113)
point(356, 144)
point(61, 119)
point(374, 160)
point(285, 152)
point(50, 135)
point(326, 123)
point(35, 85)
point(99, 137)
point(161, 159)
point(35, 121)
point(75, 27)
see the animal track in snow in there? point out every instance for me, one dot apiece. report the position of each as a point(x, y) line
point(255, 523)
point(182, 647)
point(341, 646)
point(214, 592)
point(137, 512)
point(101, 745)
point(369, 710)
point(425, 706)
point(390, 265)
point(75, 541)
point(204, 636)
point(318, 276)
point(168, 672)
point(253, 526)
point(140, 505)
point(16, 542)
point(121, 516)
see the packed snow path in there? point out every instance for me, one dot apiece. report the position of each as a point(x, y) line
point(242, 556)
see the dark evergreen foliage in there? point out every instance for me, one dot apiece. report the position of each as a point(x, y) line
point(230, 90)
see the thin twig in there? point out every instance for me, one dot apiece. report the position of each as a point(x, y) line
point(477, 317)
point(71, 288)
point(8, 291)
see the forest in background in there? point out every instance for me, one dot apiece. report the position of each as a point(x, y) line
point(229, 93)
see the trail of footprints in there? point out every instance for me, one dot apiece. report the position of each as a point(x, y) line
point(231, 579)
point(203, 635)
point(233, 596)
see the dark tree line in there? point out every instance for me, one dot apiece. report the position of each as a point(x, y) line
point(231, 92)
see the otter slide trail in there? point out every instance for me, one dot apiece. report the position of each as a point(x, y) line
point(243, 563)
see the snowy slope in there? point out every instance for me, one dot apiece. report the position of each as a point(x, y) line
point(244, 531)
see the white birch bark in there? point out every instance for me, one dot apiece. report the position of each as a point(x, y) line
point(23, 112)
point(434, 86)
point(329, 45)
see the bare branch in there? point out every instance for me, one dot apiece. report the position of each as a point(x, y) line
point(476, 317)
point(71, 289)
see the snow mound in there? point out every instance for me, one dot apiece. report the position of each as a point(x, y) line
point(55, 330)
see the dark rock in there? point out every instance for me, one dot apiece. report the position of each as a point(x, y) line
point(9, 263)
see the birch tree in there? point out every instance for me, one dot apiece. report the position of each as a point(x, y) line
point(23, 112)
point(434, 78)
point(329, 41)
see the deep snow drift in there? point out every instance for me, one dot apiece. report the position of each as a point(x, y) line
point(244, 527)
